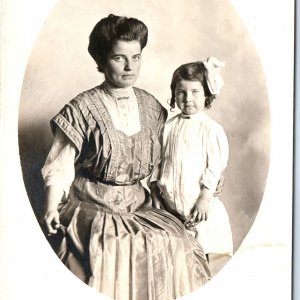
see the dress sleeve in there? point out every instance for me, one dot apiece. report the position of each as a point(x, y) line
point(59, 167)
point(72, 122)
point(155, 174)
point(217, 157)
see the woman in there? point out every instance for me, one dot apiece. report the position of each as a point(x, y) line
point(113, 239)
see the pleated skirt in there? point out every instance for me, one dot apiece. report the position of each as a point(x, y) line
point(118, 244)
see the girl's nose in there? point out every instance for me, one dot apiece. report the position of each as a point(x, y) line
point(189, 97)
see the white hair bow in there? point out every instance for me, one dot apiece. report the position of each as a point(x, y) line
point(213, 77)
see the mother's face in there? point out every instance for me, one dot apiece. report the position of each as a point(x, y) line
point(122, 64)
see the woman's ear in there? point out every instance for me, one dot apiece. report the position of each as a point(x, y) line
point(100, 63)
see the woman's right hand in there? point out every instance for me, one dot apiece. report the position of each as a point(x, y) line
point(51, 220)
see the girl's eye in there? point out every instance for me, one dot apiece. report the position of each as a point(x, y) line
point(179, 93)
point(196, 92)
point(136, 58)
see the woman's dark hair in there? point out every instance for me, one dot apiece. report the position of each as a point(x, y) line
point(113, 28)
point(194, 71)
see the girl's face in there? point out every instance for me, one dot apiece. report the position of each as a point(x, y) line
point(122, 64)
point(190, 97)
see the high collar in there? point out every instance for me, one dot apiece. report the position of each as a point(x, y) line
point(198, 116)
point(116, 92)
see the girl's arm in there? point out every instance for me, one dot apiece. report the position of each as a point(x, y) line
point(213, 179)
point(217, 157)
point(220, 185)
point(200, 210)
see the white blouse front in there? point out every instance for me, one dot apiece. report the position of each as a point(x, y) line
point(195, 153)
point(122, 106)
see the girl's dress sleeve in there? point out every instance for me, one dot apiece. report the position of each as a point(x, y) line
point(217, 157)
point(59, 167)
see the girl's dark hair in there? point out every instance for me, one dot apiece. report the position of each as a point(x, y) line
point(192, 71)
point(113, 28)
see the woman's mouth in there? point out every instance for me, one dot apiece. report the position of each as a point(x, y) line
point(128, 76)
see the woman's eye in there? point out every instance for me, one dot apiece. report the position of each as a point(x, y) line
point(196, 92)
point(136, 58)
point(118, 58)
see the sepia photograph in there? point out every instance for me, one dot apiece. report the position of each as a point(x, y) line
point(143, 149)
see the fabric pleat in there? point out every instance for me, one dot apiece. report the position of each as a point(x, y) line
point(138, 255)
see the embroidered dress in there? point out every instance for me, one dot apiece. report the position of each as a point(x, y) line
point(114, 240)
point(195, 153)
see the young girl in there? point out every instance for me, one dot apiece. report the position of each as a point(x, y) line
point(195, 153)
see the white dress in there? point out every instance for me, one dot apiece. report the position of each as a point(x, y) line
point(195, 153)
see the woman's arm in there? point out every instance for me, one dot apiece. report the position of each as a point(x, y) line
point(58, 174)
point(54, 195)
point(157, 200)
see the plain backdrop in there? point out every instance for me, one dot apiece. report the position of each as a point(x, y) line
point(46, 43)
point(60, 67)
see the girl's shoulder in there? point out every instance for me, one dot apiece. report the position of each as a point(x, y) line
point(172, 120)
point(209, 121)
point(212, 125)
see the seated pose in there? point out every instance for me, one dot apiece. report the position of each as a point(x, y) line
point(106, 141)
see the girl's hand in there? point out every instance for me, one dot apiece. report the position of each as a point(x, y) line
point(51, 220)
point(200, 210)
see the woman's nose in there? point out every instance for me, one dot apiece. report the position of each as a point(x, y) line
point(128, 65)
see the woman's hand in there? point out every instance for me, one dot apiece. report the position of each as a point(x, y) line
point(155, 195)
point(51, 220)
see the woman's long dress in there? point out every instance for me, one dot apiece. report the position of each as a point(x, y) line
point(114, 240)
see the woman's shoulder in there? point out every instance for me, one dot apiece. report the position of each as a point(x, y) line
point(87, 94)
point(79, 102)
point(149, 99)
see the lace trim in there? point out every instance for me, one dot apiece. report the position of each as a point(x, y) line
point(101, 114)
